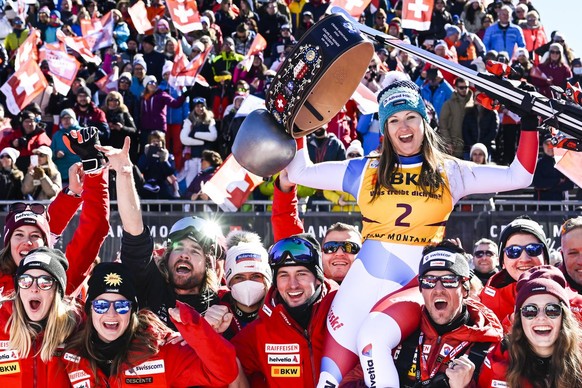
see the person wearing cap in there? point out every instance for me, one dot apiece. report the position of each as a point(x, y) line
point(11, 176)
point(121, 345)
point(543, 347)
point(307, 21)
point(120, 121)
point(140, 69)
point(243, 38)
point(63, 157)
point(35, 320)
point(90, 115)
point(17, 36)
point(42, 180)
point(283, 345)
point(248, 277)
point(455, 333)
point(43, 21)
point(503, 35)
point(522, 246)
point(271, 22)
point(120, 30)
point(436, 90)
point(522, 64)
point(225, 61)
point(226, 17)
point(154, 59)
point(285, 39)
point(210, 162)
point(469, 46)
point(549, 183)
point(534, 34)
point(161, 35)
point(54, 26)
point(479, 154)
point(400, 209)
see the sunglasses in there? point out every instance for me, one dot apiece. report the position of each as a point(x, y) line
point(347, 246)
point(552, 311)
point(113, 100)
point(44, 282)
point(293, 250)
point(101, 306)
point(514, 251)
point(19, 207)
point(123, 81)
point(554, 52)
point(428, 282)
point(354, 155)
point(480, 254)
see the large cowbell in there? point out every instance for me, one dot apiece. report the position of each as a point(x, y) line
point(315, 81)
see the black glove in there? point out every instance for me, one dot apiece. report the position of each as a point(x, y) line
point(84, 146)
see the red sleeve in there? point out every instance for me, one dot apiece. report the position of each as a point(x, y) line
point(285, 214)
point(61, 211)
point(246, 344)
point(527, 150)
point(213, 361)
point(92, 229)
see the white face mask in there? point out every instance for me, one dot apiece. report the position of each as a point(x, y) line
point(248, 292)
point(577, 70)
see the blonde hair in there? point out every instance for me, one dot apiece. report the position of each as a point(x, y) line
point(62, 319)
point(116, 95)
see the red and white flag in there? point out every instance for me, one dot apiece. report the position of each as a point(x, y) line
point(62, 66)
point(80, 46)
point(184, 72)
point(28, 50)
point(417, 14)
point(354, 7)
point(231, 185)
point(23, 86)
point(259, 44)
point(98, 32)
point(139, 17)
point(108, 83)
point(184, 15)
point(365, 99)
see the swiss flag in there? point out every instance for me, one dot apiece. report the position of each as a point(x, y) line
point(231, 185)
point(23, 86)
point(259, 44)
point(184, 72)
point(139, 17)
point(28, 50)
point(354, 7)
point(184, 15)
point(365, 99)
point(108, 83)
point(98, 32)
point(62, 66)
point(79, 45)
point(417, 14)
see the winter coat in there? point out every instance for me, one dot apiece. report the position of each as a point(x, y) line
point(198, 138)
point(121, 35)
point(175, 115)
point(548, 182)
point(451, 121)
point(276, 352)
point(153, 110)
point(437, 98)
point(46, 188)
point(480, 129)
point(503, 39)
point(494, 371)
point(499, 295)
point(94, 117)
point(208, 360)
point(11, 184)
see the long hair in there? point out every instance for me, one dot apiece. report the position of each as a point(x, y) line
point(7, 264)
point(62, 319)
point(210, 279)
point(206, 118)
point(144, 335)
point(565, 365)
point(430, 179)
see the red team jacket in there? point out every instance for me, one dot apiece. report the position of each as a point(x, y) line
point(213, 362)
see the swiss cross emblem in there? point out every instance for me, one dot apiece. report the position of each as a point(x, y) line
point(280, 103)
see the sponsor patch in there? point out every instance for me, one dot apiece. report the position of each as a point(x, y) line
point(9, 368)
point(72, 358)
point(498, 384)
point(490, 291)
point(38, 256)
point(404, 95)
point(248, 256)
point(139, 380)
point(26, 214)
point(426, 349)
point(292, 359)
point(82, 384)
point(446, 349)
point(8, 355)
point(78, 375)
point(147, 368)
point(367, 351)
point(3, 344)
point(267, 310)
point(439, 255)
point(281, 348)
point(437, 263)
point(285, 371)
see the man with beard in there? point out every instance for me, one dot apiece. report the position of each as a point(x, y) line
point(186, 269)
point(89, 115)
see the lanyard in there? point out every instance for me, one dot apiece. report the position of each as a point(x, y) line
point(422, 371)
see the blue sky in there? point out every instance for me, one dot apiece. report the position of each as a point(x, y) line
point(565, 16)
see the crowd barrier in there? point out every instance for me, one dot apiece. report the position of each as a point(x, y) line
point(470, 221)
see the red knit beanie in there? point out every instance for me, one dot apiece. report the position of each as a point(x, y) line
point(545, 279)
point(15, 220)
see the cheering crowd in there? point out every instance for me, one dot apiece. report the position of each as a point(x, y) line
point(399, 303)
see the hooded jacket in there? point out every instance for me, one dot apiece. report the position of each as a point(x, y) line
point(153, 111)
point(275, 351)
point(499, 294)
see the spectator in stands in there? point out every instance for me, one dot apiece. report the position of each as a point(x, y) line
point(226, 18)
point(286, 39)
point(293, 313)
point(440, 18)
point(243, 38)
point(248, 277)
point(472, 15)
point(198, 133)
point(307, 21)
point(380, 22)
point(296, 11)
point(120, 122)
point(480, 125)
point(452, 116)
point(522, 246)
point(158, 168)
point(255, 76)
point(42, 180)
point(231, 123)
point(89, 115)
point(42, 22)
point(469, 46)
point(10, 176)
point(341, 244)
point(211, 160)
point(485, 259)
point(576, 72)
point(436, 90)
point(270, 24)
point(54, 26)
point(543, 348)
point(571, 250)
point(486, 22)
point(247, 14)
point(63, 156)
point(124, 84)
point(316, 8)
point(555, 70)
point(534, 35)
point(558, 37)
point(161, 35)
point(549, 183)
point(522, 65)
point(154, 59)
point(15, 38)
point(503, 35)
point(520, 14)
point(479, 154)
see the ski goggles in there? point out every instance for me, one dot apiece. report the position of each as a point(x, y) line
point(347, 246)
point(19, 207)
point(101, 306)
point(552, 311)
point(428, 282)
point(43, 282)
point(480, 254)
point(190, 227)
point(514, 251)
point(293, 250)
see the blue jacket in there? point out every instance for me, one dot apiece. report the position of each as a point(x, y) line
point(440, 95)
point(503, 39)
point(175, 115)
point(121, 32)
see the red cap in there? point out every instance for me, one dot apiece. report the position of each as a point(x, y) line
point(16, 220)
point(545, 279)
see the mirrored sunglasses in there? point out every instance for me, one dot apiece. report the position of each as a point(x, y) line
point(552, 311)
point(514, 251)
point(44, 282)
point(347, 246)
point(429, 282)
point(101, 306)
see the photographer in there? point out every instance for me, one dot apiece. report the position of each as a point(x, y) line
point(43, 180)
point(157, 166)
point(373, 77)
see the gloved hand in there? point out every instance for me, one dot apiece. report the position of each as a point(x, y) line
point(82, 142)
